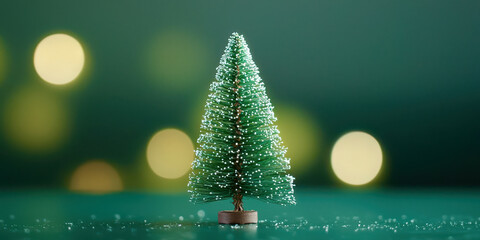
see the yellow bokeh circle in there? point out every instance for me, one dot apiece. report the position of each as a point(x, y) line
point(170, 153)
point(35, 120)
point(96, 177)
point(59, 58)
point(356, 158)
point(301, 135)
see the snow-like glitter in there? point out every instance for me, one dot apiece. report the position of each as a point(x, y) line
point(240, 150)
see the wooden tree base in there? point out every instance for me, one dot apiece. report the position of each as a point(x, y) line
point(237, 217)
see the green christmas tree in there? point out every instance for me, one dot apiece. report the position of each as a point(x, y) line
point(240, 152)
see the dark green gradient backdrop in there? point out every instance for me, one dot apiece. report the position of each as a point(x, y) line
point(406, 72)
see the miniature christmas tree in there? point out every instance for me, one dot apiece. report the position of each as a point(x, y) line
point(240, 152)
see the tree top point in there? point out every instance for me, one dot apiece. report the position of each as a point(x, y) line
point(236, 35)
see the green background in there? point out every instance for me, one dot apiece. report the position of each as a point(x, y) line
point(406, 72)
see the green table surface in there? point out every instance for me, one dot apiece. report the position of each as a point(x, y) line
point(319, 214)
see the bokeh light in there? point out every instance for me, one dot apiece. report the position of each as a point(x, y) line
point(146, 179)
point(96, 176)
point(301, 135)
point(59, 59)
point(175, 59)
point(170, 153)
point(356, 158)
point(142, 177)
point(36, 120)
